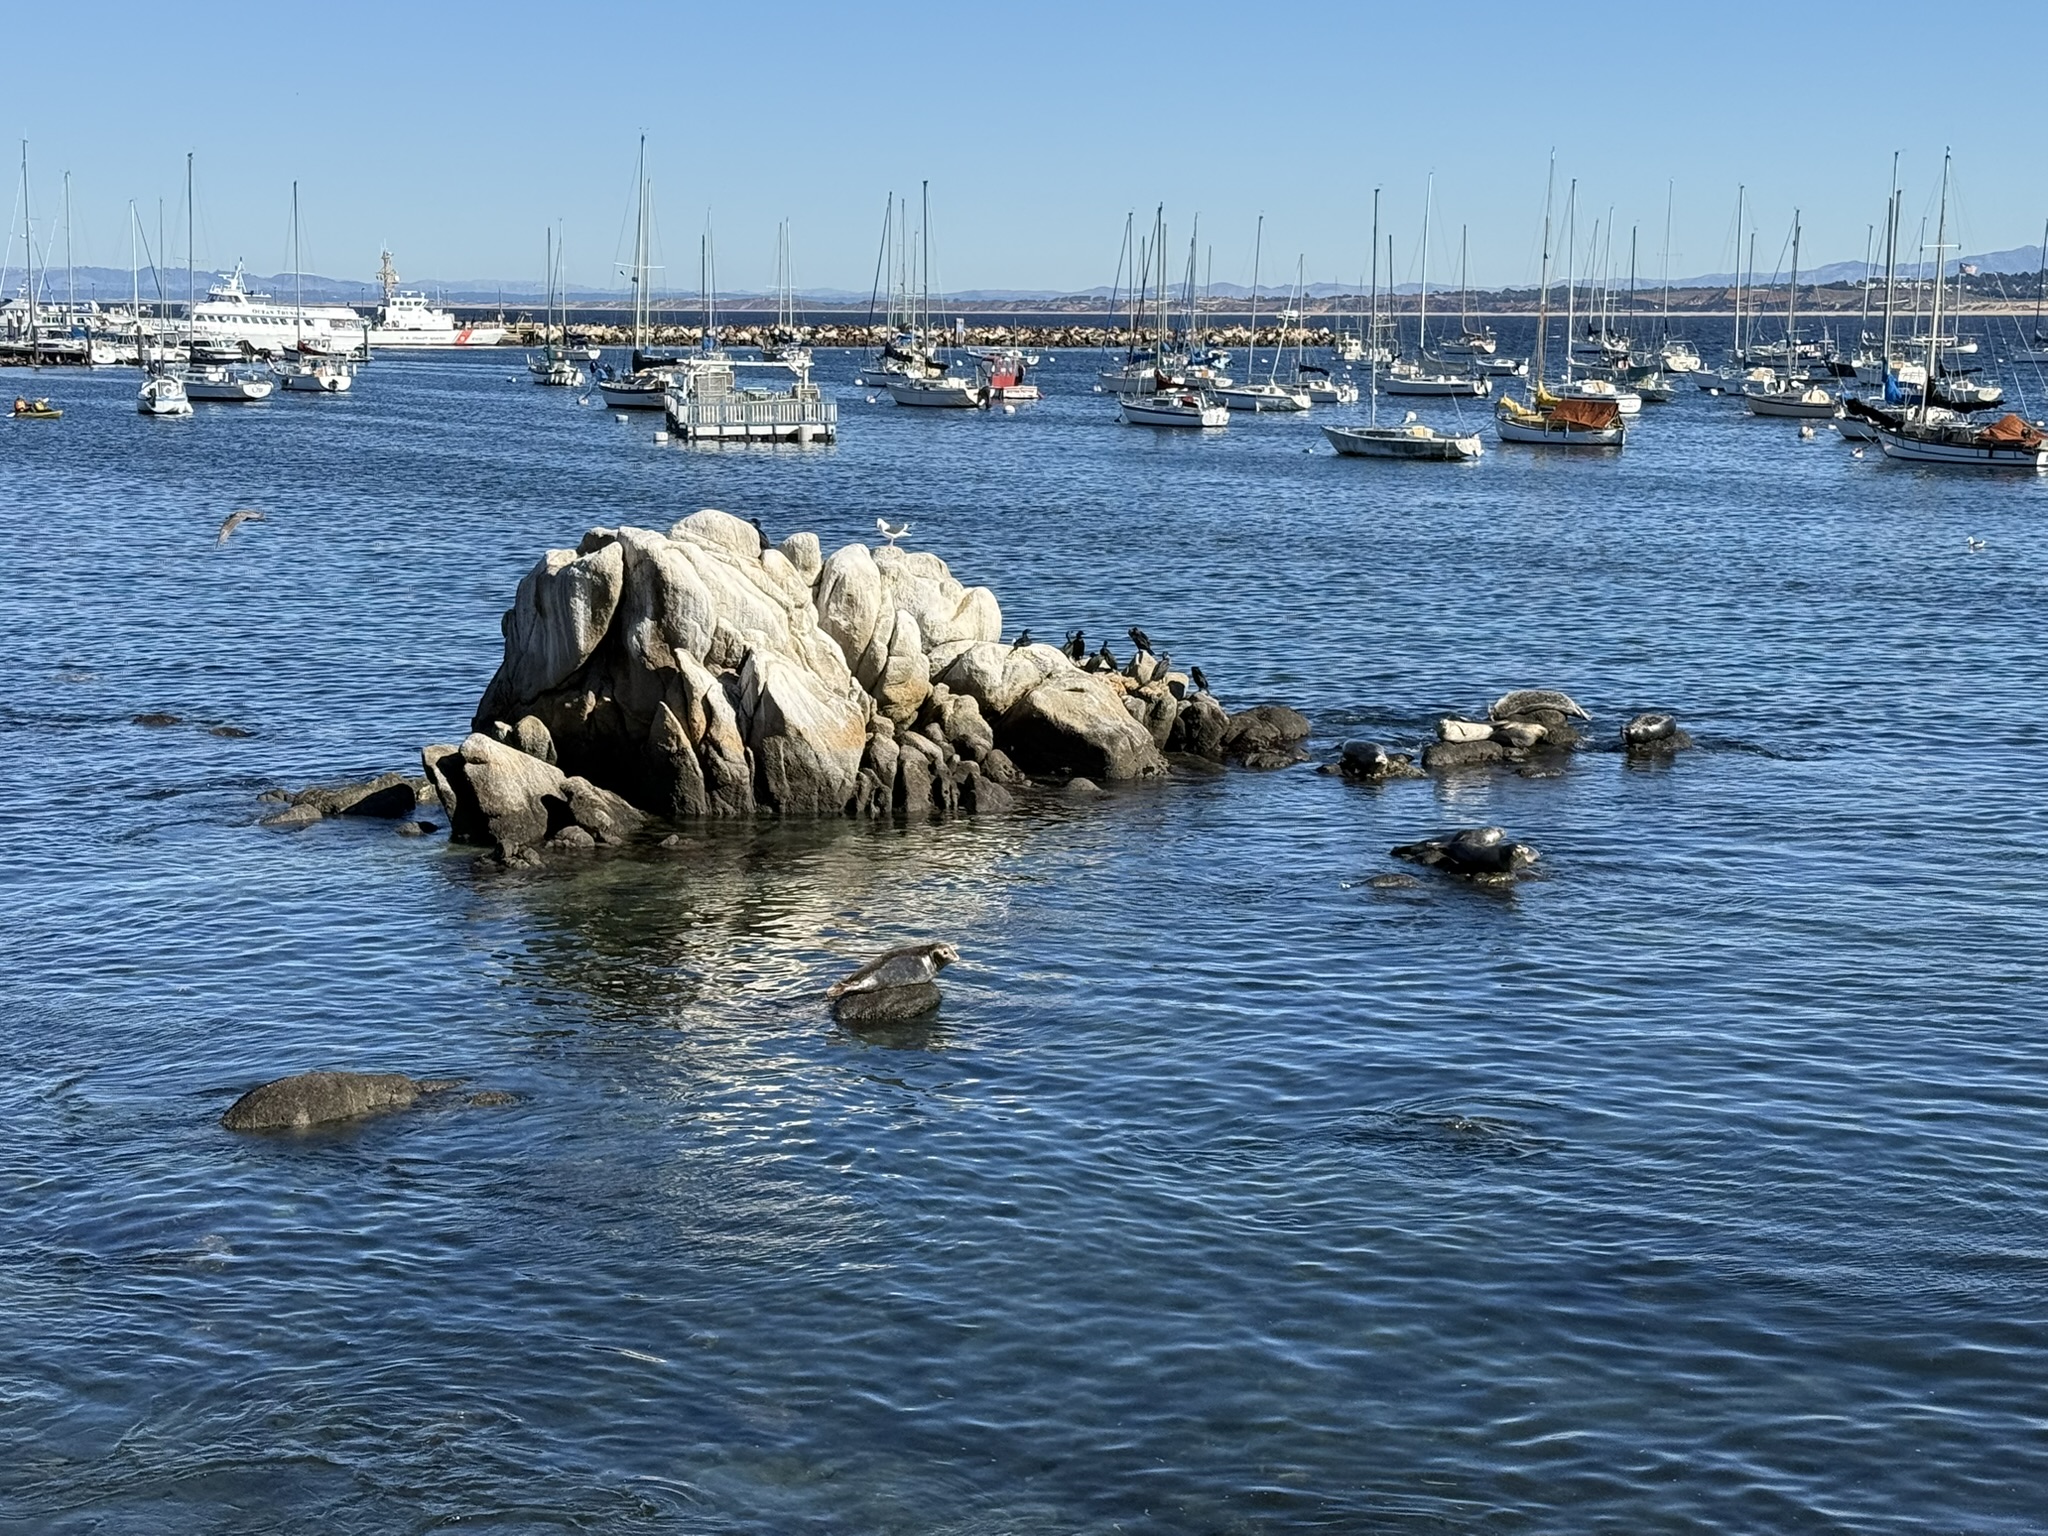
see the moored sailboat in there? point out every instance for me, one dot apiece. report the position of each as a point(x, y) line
point(1544, 420)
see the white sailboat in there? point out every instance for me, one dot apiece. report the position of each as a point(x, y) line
point(1171, 403)
point(642, 387)
point(1544, 420)
point(1251, 395)
point(553, 367)
point(1410, 440)
point(1929, 435)
point(1789, 395)
point(312, 373)
point(945, 390)
point(1414, 376)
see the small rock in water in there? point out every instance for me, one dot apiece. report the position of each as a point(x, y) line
point(293, 818)
point(1081, 789)
point(158, 717)
point(231, 732)
point(492, 1098)
point(1440, 755)
point(1393, 882)
point(888, 1005)
point(417, 828)
point(318, 1098)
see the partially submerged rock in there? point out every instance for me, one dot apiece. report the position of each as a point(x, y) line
point(318, 1098)
point(499, 796)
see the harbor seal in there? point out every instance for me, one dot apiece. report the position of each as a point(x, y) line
point(1654, 731)
point(899, 984)
point(1477, 853)
point(1451, 728)
point(1531, 701)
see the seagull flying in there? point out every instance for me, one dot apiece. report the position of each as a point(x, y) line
point(234, 520)
point(892, 534)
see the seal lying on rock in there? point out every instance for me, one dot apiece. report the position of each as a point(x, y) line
point(1524, 702)
point(316, 1098)
point(1477, 853)
point(1654, 732)
point(898, 984)
point(1373, 763)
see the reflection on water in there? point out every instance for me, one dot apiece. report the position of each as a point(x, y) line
point(1694, 1185)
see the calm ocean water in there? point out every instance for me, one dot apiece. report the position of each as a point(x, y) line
point(1697, 1186)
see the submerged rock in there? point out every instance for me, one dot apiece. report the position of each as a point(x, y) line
point(318, 1098)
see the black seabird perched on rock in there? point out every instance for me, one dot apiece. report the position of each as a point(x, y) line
point(1102, 661)
point(1023, 639)
point(1199, 678)
point(760, 533)
point(1141, 640)
point(1077, 648)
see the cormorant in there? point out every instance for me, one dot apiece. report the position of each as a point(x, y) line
point(1023, 639)
point(1141, 640)
point(1199, 678)
point(1077, 648)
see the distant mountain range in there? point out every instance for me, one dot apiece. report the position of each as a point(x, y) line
point(106, 284)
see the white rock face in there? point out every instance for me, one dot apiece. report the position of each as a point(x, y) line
point(695, 672)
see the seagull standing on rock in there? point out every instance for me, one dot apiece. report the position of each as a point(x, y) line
point(892, 534)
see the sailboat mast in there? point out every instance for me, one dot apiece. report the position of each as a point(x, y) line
point(70, 270)
point(1891, 260)
point(1422, 309)
point(1934, 328)
point(1664, 315)
point(1792, 306)
point(924, 269)
point(1251, 360)
point(1571, 287)
point(298, 277)
point(1738, 274)
point(1372, 339)
point(28, 237)
point(1543, 290)
point(190, 330)
point(1464, 278)
point(2041, 282)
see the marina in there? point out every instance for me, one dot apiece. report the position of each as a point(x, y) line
point(1300, 817)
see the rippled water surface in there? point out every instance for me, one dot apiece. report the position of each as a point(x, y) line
point(1697, 1185)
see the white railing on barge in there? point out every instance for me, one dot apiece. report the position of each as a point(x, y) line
point(706, 401)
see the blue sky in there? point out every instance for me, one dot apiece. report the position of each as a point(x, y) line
point(455, 133)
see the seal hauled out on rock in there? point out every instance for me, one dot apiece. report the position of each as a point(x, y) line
point(316, 1098)
point(1653, 732)
point(898, 984)
point(1523, 702)
point(1477, 853)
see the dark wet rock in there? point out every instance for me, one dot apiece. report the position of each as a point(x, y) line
point(1474, 852)
point(1265, 728)
point(274, 794)
point(983, 795)
point(887, 1005)
point(492, 1098)
point(158, 717)
point(293, 818)
point(230, 732)
point(1081, 789)
point(498, 795)
point(1439, 756)
point(417, 828)
point(572, 839)
point(1654, 732)
point(1201, 727)
point(318, 1098)
point(1265, 761)
point(1393, 882)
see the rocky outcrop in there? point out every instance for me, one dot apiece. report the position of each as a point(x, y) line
point(389, 797)
point(695, 673)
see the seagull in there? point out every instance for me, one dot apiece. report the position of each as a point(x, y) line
point(1141, 640)
point(1023, 639)
point(1974, 544)
point(1199, 678)
point(1076, 647)
point(892, 534)
point(234, 520)
point(1856, 453)
point(1806, 431)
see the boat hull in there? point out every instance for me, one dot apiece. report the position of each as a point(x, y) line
point(1162, 411)
point(229, 391)
point(1436, 386)
point(1557, 434)
point(1913, 450)
point(1792, 407)
point(628, 397)
point(937, 394)
point(1403, 443)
